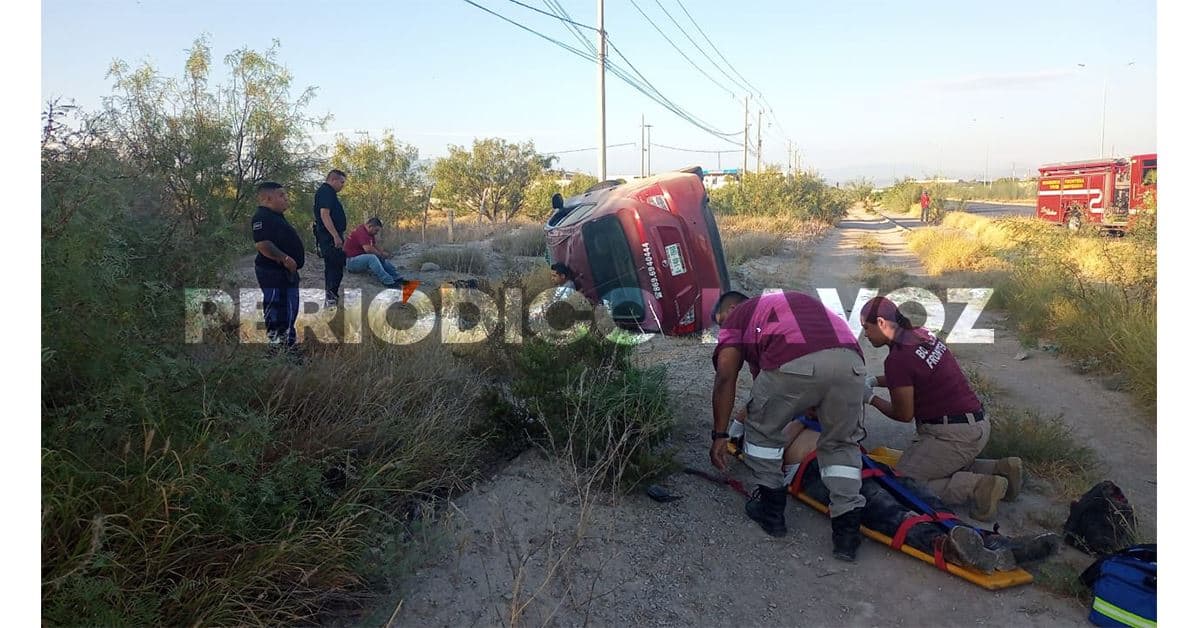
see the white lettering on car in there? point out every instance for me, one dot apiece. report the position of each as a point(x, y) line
point(651, 270)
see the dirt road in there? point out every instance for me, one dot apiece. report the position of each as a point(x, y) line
point(699, 561)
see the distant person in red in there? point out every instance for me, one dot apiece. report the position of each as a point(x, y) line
point(362, 255)
point(926, 384)
point(924, 205)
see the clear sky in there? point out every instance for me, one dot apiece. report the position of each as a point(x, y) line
point(862, 88)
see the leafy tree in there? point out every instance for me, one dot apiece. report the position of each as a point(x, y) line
point(540, 191)
point(491, 178)
point(209, 146)
point(860, 190)
point(385, 179)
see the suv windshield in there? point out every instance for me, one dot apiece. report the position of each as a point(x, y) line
point(612, 269)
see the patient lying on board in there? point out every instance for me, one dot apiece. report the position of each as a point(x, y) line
point(963, 545)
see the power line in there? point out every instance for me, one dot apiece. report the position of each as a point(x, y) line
point(552, 40)
point(557, 17)
point(581, 150)
point(661, 99)
point(758, 96)
point(695, 150)
point(558, 8)
point(617, 70)
point(689, 38)
point(714, 46)
point(707, 127)
point(681, 52)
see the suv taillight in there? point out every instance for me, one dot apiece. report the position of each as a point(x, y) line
point(687, 324)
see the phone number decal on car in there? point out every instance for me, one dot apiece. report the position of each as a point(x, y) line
point(651, 270)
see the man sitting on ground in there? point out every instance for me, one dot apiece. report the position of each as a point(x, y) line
point(962, 545)
point(362, 255)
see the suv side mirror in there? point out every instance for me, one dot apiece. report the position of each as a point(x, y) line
point(557, 201)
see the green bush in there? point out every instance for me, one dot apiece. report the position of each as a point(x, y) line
point(594, 407)
point(774, 194)
point(210, 484)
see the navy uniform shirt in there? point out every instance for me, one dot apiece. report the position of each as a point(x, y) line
point(327, 197)
point(271, 225)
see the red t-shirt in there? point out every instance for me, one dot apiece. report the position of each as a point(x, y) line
point(357, 239)
point(778, 327)
point(939, 385)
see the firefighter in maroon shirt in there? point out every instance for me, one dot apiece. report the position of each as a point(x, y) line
point(926, 384)
point(801, 355)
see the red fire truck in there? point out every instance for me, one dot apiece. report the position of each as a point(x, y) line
point(1105, 193)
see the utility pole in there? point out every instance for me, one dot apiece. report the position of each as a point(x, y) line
point(790, 158)
point(601, 50)
point(1103, 112)
point(745, 136)
point(642, 130)
point(648, 173)
point(758, 154)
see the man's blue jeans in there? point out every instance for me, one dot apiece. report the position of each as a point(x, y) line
point(381, 268)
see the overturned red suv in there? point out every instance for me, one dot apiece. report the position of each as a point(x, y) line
point(648, 249)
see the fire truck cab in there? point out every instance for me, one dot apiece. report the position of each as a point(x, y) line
point(1105, 193)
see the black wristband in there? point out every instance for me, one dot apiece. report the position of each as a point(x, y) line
point(716, 435)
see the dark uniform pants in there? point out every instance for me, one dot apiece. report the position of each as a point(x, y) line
point(335, 265)
point(883, 512)
point(281, 305)
point(831, 381)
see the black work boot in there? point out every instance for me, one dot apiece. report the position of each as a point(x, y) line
point(846, 536)
point(966, 547)
point(1028, 548)
point(766, 507)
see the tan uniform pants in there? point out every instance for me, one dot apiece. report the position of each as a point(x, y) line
point(831, 381)
point(943, 457)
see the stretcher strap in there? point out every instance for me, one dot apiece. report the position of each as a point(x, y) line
point(907, 524)
point(798, 481)
point(939, 553)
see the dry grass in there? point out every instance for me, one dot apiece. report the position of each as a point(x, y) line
point(526, 241)
point(742, 247)
point(733, 224)
point(1062, 579)
point(874, 274)
point(466, 229)
point(942, 252)
point(1093, 296)
point(466, 259)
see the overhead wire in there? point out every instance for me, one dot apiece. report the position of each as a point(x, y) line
point(581, 150)
point(644, 86)
point(697, 150)
point(755, 92)
point(680, 51)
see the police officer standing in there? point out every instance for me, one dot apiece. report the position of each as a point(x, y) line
point(330, 228)
point(280, 257)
